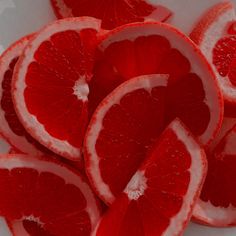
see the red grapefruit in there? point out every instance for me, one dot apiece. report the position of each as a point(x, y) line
point(159, 198)
point(155, 48)
point(11, 128)
point(217, 204)
point(215, 34)
point(50, 84)
point(123, 129)
point(113, 13)
point(42, 197)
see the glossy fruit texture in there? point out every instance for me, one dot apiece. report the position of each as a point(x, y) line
point(124, 127)
point(160, 197)
point(43, 197)
point(217, 205)
point(154, 48)
point(50, 84)
point(112, 13)
point(215, 34)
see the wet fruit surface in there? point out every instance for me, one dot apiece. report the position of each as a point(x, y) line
point(156, 201)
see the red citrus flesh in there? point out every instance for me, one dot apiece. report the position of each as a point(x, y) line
point(123, 129)
point(154, 48)
point(41, 197)
point(216, 36)
point(217, 204)
point(50, 84)
point(160, 197)
point(113, 13)
point(11, 128)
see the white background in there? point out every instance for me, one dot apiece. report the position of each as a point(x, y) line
point(20, 17)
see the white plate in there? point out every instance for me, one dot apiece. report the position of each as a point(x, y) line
point(20, 17)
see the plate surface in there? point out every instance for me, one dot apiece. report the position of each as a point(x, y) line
point(20, 17)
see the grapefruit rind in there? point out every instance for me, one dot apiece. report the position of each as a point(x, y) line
point(18, 142)
point(198, 169)
point(43, 164)
point(95, 126)
point(30, 122)
point(199, 64)
point(206, 34)
point(204, 211)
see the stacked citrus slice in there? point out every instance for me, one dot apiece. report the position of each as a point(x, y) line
point(138, 104)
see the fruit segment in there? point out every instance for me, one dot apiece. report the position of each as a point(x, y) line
point(41, 197)
point(50, 85)
point(125, 126)
point(217, 204)
point(216, 36)
point(155, 48)
point(112, 13)
point(159, 198)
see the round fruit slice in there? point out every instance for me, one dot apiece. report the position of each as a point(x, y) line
point(159, 198)
point(11, 128)
point(41, 197)
point(215, 34)
point(113, 13)
point(50, 84)
point(217, 204)
point(122, 130)
point(155, 48)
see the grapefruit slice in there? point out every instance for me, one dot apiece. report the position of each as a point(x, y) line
point(123, 129)
point(159, 198)
point(154, 48)
point(11, 128)
point(113, 13)
point(42, 197)
point(50, 84)
point(215, 34)
point(217, 204)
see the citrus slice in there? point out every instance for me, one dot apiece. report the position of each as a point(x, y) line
point(42, 197)
point(123, 129)
point(159, 198)
point(113, 13)
point(155, 48)
point(11, 128)
point(50, 84)
point(215, 34)
point(217, 204)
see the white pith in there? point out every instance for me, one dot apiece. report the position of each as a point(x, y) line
point(136, 186)
point(211, 36)
point(197, 173)
point(36, 129)
point(19, 142)
point(22, 161)
point(93, 132)
point(81, 89)
point(230, 146)
point(212, 215)
point(178, 41)
point(228, 124)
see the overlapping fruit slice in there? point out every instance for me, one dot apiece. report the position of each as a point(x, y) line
point(125, 125)
point(160, 197)
point(217, 204)
point(156, 48)
point(113, 13)
point(42, 197)
point(215, 34)
point(10, 127)
point(50, 84)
